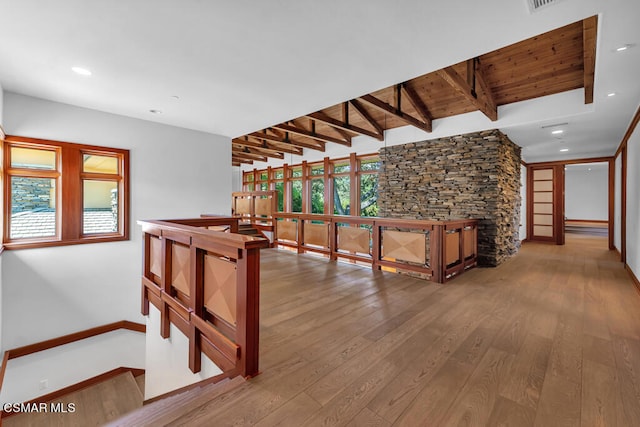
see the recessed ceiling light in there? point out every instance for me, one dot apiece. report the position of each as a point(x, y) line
point(564, 150)
point(557, 132)
point(81, 71)
point(611, 94)
point(622, 48)
point(155, 111)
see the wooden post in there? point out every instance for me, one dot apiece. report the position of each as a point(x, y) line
point(248, 312)
point(437, 253)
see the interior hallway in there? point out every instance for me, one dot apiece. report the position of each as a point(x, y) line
point(550, 337)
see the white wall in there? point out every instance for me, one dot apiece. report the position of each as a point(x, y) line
point(167, 361)
point(175, 172)
point(633, 202)
point(87, 358)
point(586, 192)
point(617, 205)
point(523, 206)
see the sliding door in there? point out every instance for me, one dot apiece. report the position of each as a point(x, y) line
point(546, 201)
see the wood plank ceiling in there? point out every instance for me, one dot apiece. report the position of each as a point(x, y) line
point(553, 62)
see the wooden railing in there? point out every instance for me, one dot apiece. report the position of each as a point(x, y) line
point(437, 250)
point(206, 283)
point(256, 208)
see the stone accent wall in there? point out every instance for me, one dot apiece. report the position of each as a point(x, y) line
point(475, 175)
point(30, 193)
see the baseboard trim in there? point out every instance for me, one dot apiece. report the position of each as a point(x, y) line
point(78, 386)
point(214, 379)
point(634, 279)
point(66, 339)
point(76, 336)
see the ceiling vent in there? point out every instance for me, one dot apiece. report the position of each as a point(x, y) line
point(536, 5)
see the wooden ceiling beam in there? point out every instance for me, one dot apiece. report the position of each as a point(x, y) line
point(247, 143)
point(589, 39)
point(366, 116)
point(312, 134)
point(417, 103)
point(481, 80)
point(396, 112)
point(451, 76)
point(258, 150)
point(235, 159)
point(285, 140)
point(282, 147)
point(323, 118)
point(247, 155)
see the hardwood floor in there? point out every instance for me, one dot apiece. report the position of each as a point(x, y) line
point(551, 337)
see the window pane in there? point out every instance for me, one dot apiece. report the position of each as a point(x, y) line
point(264, 176)
point(297, 173)
point(369, 194)
point(369, 164)
point(264, 186)
point(317, 196)
point(341, 195)
point(100, 207)
point(341, 167)
point(278, 174)
point(99, 164)
point(296, 196)
point(33, 207)
point(248, 176)
point(33, 158)
point(317, 170)
point(248, 187)
point(280, 189)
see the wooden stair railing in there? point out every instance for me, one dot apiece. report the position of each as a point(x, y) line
point(206, 283)
point(437, 250)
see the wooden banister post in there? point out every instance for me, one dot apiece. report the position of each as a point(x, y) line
point(248, 312)
point(437, 253)
point(165, 285)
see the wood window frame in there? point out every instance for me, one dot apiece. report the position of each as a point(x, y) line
point(252, 177)
point(70, 177)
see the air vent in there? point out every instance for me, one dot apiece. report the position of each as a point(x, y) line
point(536, 5)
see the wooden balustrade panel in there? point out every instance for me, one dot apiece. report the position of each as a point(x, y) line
point(155, 256)
point(316, 234)
point(452, 248)
point(288, 230)
point(469, 242)
point(180, 267)
point(220, 282)
point(404, 246)
point(354, 239)
point(243, 206)
point(263, 207)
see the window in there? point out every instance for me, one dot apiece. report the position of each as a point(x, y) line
point(347, 186)
point(59, 193)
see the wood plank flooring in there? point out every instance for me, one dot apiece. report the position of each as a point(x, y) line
point(551, 337)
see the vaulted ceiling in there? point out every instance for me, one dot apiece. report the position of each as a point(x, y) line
point(240, 68)
point(556, 61)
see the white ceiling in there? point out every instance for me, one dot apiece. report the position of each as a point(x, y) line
point(240, 66)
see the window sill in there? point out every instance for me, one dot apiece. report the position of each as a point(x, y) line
point(51, 243)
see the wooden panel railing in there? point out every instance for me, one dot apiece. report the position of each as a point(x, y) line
point(206, 283)
point(256, 208)
point(438, 250)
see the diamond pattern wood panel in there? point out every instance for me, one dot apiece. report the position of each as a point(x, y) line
point(316, 234)
point(263, 207)
point(155, 257)
point(354, 239)
point(469, 239)
point(404, 246)
point(220, 281)
point(288, 230)
point(452, 254)
point(243, 206)
point(180, 268)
